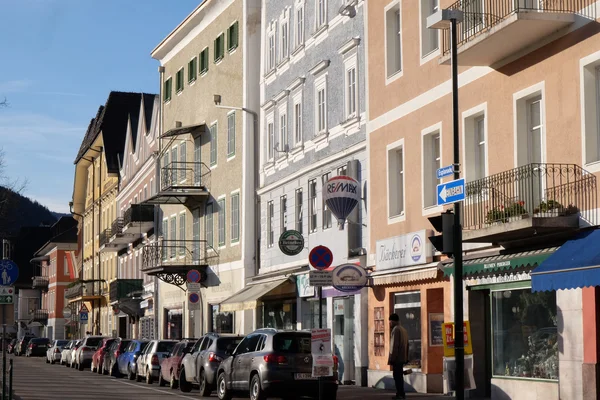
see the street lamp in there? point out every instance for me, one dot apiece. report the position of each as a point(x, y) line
point(444, 19)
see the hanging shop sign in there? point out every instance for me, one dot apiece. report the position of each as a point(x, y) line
point(291, 243)
point(349, 277)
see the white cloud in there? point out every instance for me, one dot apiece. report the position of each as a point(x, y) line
point(29, 130)
point(15, 86)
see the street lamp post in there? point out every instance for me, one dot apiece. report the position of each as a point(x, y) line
point(441, 20)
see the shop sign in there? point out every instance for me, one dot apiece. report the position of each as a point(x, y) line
point(404, 250)
point(291, 243)
point(349, 277)
point(320, 341)
point(507, 278)
point(449, 338)
point(303, 286)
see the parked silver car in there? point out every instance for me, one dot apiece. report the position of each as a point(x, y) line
point(199, 367)
point(148, 363)
point(65, 357)
point(54, 352)
point(85, 352)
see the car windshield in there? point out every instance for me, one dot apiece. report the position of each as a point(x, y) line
point(40, 341)
point(124, 344)
point(291, 343)
point(92, 342)
point(61, 343)
point(225, 342)
point(165, 347)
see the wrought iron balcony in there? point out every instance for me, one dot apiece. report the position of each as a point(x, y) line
point(74, 291)
point(531, 200)
point(183, 183)
point(40, 282)
point(138, 219)
point(113, 240)
point(122, 289)
point(171, 259)
point(40, 316)
point(86, 290)
point(493, 30)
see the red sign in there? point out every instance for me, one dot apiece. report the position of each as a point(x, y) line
point(320, 257)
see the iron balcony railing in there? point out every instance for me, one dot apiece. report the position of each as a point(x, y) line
point(532, 190)
point(117, 227)
point(40, 282)
point(138, 213)
point(40, 316)
point(185, 175)
point(125, 288)
point(74, 291)
point(105, 236)
point(480, 16)
point(166, 253)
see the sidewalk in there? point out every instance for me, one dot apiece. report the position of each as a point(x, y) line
point(347, 392)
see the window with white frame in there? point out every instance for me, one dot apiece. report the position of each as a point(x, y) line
point(312, 205)
point(351, 92)
point(175, 164)
point(475, 147)
point(326, 210)
point(270, 232)
point(235, 217)
point(173, 236)
point(320, 13)
point(396, 179)
point(321, 105)
point(590, 80)
point(231, 134)
point(270, 138)
point(530, 123)
point(283, 213)
point(182, 242)
point(271, 50)
point(429, 37)
point(431, 163)
point(221, 222)
point(283, 127)
point(196, 235)
point(393, 39)
point(182, 160)
point(213, 145)
point(209, 228)
point(299, 35)
point(197, 161)
point(343, 170)
point(66, 266)
point(299, 206)
point(284, 39)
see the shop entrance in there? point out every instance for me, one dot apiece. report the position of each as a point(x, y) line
point(343, 337)
point(479, 317)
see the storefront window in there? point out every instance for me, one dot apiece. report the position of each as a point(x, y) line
point(222, 322)
point(408, 307)
point(343, 339)
point(310, 314)
point(279, 315)
point(524, 334)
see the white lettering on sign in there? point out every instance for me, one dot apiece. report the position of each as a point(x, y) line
point(497, 264)
point(517, 277)
point(454, 191)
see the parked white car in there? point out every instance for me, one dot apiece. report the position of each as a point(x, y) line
point(54, 352)
point(85, 352)
point(69, 352)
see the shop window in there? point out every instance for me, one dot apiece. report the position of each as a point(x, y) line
point(379, 329)
point(408, 307)
point(524, 334)
point(222, 322)
point(310, 314)
point(279, 315)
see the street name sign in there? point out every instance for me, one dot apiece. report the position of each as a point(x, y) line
point(444, 171)
point(451, 192)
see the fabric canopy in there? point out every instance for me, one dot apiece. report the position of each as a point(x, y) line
point(502, 262)
point(576, 264)
point(247, 298)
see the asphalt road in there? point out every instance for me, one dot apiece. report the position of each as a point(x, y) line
point(33, 379)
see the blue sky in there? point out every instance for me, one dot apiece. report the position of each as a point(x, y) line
point(60, 59)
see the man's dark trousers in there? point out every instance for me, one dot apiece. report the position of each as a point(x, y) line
point(398, 373)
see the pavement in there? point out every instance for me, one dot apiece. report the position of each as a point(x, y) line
point(33, 379)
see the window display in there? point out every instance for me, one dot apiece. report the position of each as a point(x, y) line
point(310, 314)
point(279, 315)
point(408, 307)
point(222, 322)
point(525, 337)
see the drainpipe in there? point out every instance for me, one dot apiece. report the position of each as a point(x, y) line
point(157, 225)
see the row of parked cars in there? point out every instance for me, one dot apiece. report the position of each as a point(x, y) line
point(266, 363)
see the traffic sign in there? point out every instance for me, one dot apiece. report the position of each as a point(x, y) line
point(9, 272)
point(194, 298)
point(451, 192)
point(6, 299)
point(193, 287)
point(84, 309)
point(320, 278)
point(83, 317)
point(193, 275)
point(4, 290)
point(320, 257)
point(67, 312)
point(291, 243)
point(444, 171)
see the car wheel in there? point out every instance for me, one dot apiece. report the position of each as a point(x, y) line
point(204, 386)
point(53, 361)
point(92, 367)
point(173, 384)
point(114, 371)
point(80, 366)
point(104, 370)
point(184, 385)
point(48, 361)
point(138, 378)
point(130, 374)
point(100, 369)
point(161, 381)
point(222, 391)
point(256, 392)
point(149, 379)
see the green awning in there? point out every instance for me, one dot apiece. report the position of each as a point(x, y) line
point(502, 262)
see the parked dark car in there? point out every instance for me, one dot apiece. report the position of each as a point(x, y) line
point(109, 366)
point(272, 363)
point(21, 346)
point(37, 347)
point(169, 367)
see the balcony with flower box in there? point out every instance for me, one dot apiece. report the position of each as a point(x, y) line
point(534, 202)
point(495, 30)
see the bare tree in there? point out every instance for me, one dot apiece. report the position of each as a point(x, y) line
point(4, 103)
point(9, 189)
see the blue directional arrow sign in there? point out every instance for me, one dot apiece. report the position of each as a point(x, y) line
point(9, 272)
point(451, 192)
point(444, 171)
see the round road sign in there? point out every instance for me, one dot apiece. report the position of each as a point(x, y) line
point(9, 272)
point(291, 243)
point(67, 312)
point(193, 275)
point(320, 257)
point(194, 298)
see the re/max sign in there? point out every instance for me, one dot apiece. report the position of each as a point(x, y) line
point(341, 187)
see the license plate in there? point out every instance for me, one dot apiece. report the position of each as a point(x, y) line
point(304, 377)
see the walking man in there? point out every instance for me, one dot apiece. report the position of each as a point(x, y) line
point(398, 354)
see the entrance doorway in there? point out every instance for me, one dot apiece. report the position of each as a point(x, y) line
point(123, 327)
point(343, 331)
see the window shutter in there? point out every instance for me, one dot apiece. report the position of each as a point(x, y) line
point(216, 49)
point(235, 34)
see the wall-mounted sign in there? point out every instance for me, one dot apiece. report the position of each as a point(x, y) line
point(349, 277)
point(291, 243)
point(303, 286)
point(404, 250)
point(436, 330)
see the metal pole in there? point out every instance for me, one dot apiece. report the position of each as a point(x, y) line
point(3, 352)
point(459, 349)
point(320, 327)
point(10, 376)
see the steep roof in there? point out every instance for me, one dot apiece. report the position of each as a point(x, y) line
point(148, 100)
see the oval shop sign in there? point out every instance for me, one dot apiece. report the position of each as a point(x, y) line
point(349, 277)
point(291, 243)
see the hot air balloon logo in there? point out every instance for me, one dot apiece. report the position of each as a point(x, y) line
point(341, 194)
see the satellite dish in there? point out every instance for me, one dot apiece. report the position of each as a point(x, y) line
point(341, 194)
point(348, 10)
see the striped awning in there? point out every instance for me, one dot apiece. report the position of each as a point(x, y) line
point(405, 276)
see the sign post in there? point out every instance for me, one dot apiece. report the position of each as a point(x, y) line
point(9, 272)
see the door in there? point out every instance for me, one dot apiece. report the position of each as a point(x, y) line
point(343, 330)
point(123, 327)
point(195, 360)
point(241, 371)
point(534, 148)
